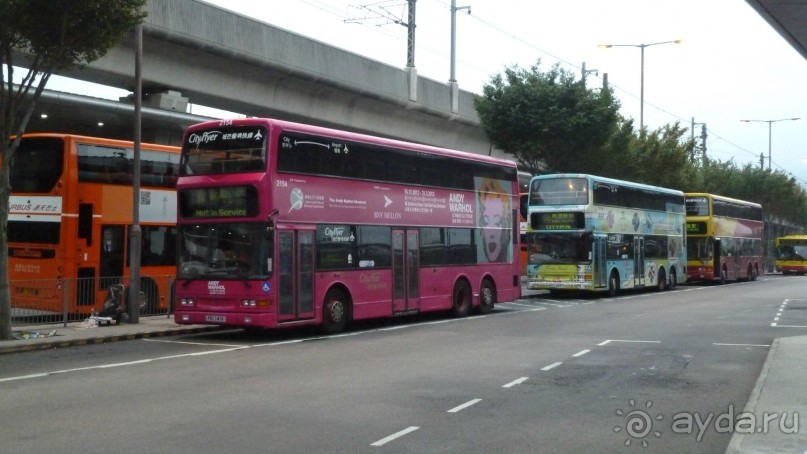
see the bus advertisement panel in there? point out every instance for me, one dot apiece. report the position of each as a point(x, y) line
point(791, 254)
point(724, 238)
point(285, 224)
point(69, 218)
point(598, 234)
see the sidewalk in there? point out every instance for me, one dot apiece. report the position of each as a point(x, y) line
point(43, 337)
point(779, 395)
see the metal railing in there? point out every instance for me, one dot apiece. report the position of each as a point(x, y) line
point(44, 301)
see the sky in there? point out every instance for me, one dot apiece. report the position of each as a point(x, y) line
point(730, 66)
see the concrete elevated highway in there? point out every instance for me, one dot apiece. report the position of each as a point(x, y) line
point(198, 53)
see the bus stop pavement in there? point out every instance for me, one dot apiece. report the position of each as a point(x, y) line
point(43, 337)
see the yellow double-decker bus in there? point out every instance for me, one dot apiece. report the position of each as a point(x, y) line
point(791, 254)
point(724, 238)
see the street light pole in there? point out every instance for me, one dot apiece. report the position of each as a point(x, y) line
point(641, 89)
point(770, 132)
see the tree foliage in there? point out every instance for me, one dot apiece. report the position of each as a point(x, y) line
point(49, 35)
point(552, 123)
point(546, 120)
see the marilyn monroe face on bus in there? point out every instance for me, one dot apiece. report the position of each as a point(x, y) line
point(494, 209)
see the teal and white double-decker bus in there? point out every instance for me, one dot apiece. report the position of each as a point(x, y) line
point(599, 234)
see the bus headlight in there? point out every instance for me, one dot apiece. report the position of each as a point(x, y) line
point(186, 302)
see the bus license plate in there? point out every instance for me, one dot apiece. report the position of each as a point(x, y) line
point(216, 318)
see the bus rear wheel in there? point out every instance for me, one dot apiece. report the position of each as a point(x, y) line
point(461, 299)
point(662, 280)
point(487, 297)
point(335, 311)
point(613, 284)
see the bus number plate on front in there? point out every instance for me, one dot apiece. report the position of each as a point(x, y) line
point(216, 318)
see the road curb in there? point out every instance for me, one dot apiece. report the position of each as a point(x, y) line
point(102, 339)
point(736, 442)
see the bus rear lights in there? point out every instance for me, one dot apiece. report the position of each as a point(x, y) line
point(186, 302)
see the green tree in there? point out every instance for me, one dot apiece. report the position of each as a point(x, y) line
point(548, 121)
point(45, 36)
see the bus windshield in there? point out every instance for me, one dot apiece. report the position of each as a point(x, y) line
point(228, 149)
point(700, 248)
point(792, 252)
point(697, 206)
point(559, 191)
point(224, 251)
point(544, 248)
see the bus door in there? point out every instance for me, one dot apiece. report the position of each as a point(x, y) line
point(405, 271)
point(638, 261)
point(598, 261)
point(296, 279)
point(717, 269)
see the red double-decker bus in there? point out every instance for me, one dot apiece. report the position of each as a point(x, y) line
point(284, 224)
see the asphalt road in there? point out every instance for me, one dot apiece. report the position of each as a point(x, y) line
point(648, 372)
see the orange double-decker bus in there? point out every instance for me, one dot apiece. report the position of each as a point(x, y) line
point(69, 218)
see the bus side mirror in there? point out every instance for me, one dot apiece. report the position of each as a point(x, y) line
point(270, 224)
point(534, 221)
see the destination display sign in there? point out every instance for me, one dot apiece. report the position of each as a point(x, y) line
point(228, 201)
point(696, 228)
point(558, 220)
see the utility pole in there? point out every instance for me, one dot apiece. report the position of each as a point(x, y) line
point(452, 80)
point(381, 11)
point(585, 71)
point(702, 137)
point(135, 240)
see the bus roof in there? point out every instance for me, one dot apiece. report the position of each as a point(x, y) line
point(723, 198)
point(354, 136)
point(105, 140)
point(610, 181)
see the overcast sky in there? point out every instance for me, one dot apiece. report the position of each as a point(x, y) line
point(731, 65)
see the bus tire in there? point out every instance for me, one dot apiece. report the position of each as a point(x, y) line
point(487, 297)
point(662, 280)
point(335, 310)
point(461, 299)
point(613, 284)
point(673, 280)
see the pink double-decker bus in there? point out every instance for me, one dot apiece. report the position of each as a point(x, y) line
point(283, 224)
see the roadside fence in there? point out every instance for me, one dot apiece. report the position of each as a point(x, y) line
point(43, 301)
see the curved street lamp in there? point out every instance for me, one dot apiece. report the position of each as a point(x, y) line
point(641, 92)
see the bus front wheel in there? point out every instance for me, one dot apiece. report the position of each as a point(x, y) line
point(335, 311)
point(613, 284)
point(461, 299)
